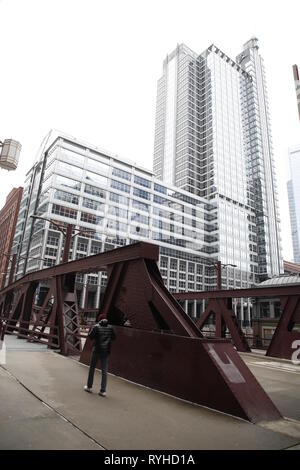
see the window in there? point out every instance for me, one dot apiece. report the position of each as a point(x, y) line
point(72, 157)
point(48, 263)
point(120, 186)
point(142, 232)
point(91, 204)
point(95, 249)
point(97, 166)
point(119, 199)
point(71, 170)
point(116, 225)
point(121, 174)
point(52, 240)
point(142, 181)
point(94, 191)
point(140, 193)
point(160, 189)
point(68, 182)
point(51, 251)
point(82, 246)
point(67, 197)
point(118, 212)
point(96, 179)
point(90, 218)
point(64, 211)
point(140, 218)
point(140, 205)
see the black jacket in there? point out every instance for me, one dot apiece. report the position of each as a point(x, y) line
point(102, 334)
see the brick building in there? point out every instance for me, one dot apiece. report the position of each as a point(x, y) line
point(8, 219)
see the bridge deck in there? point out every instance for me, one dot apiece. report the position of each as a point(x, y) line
point(43, 406)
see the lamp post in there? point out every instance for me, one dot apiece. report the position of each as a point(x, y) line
point(218, 265)
point(9, 154)
point(67, 233)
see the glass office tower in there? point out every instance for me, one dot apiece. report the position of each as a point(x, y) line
point(115, 203)
point(212, 139)
point(293, 187)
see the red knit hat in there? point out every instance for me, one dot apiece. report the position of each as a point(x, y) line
point(102, 317)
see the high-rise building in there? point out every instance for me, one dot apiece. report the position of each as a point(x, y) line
point(115, 202)
point(297, 86)
point(293, 187)
point(213, 139)
point(8, 220)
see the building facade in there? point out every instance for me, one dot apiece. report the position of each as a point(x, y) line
point(213, 139)
point(293, 187)
point(114, 203)
point(8, 220)
point(297, 86)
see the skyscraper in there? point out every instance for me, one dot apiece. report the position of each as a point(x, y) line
point(297, 86)
point(293, 187)
point(213, 139)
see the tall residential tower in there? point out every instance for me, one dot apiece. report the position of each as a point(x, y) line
point(213, 139)
point(293, 187)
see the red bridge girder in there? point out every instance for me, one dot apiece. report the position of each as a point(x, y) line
point(163, 348)
point(286, 334)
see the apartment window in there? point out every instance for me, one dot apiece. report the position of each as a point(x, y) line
point(67, 197)
point(140, 218)
point(140, 193)
point(173, 264)
point(69, 170)
point(142, 181)
point(51, 251)
point(118, 212)
point(97, 166)
point(94, 191)
point(48, 263)
point(160, 189)
point(182, 265)
point(96, 179)
point(119, 199)
point(140, 205)
point(68, 182)
point(64, 211)
point(82, 246)
point(91, 204)
point(120, 186)
point(116, 225)
point(121, 174)
point(95, 249)
point(90, 218)
point(142, 232)
point(52, 240)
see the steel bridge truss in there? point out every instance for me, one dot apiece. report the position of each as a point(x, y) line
point(160, 347)
point(220, 305)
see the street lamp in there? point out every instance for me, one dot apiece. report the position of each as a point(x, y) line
point(9, 155)
point(67, 233)
point(219, 267)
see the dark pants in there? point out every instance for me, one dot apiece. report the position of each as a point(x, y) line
point(104, 362)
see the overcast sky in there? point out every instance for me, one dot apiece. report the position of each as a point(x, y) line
point(90, 68)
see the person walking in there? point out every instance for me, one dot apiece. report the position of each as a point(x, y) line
point(102, 334)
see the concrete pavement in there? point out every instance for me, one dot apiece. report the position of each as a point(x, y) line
point(280, 379)
point(43, 406)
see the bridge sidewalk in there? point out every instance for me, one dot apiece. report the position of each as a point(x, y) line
point(43, 406)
